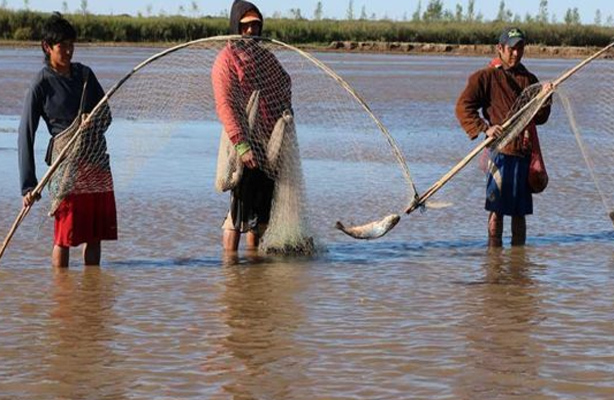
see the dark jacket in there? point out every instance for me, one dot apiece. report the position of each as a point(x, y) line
point(238, 10)
point(494, 90)
point(55, 99)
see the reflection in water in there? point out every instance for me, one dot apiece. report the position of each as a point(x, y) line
point(376, 320)
point(262, 315)
point(504, 358)
point(511, 267)
point(81, 358)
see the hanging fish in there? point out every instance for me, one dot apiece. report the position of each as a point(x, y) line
point(372, 230)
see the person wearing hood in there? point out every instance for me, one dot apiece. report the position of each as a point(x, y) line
point(242, 69)
point(493, 91)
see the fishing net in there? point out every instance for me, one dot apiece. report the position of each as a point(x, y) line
point(517, 126)
point(589, 106)
point(524, 109)
point(86, 168)
point(522, 112)
point(310, 132)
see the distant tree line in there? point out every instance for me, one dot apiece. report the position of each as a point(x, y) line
point(433, 11)
point(27, 25)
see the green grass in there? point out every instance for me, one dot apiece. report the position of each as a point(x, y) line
point(27, 26)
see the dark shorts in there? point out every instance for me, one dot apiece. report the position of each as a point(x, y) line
point(507, 186)
point(250, 202)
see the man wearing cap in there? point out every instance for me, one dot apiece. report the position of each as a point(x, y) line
point(246, 70)
point(493, 91)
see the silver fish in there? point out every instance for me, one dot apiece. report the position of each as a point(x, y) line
point(372, 230)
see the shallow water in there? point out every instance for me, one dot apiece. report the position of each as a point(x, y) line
point(426, 312)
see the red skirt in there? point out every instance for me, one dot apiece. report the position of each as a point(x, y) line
point(84, 218)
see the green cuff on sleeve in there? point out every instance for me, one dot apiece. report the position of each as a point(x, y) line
point(242, 148)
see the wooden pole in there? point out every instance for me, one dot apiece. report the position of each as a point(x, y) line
point(20, 217)
point(37, 191)
point(541, 97)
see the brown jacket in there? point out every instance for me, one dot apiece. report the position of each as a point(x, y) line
point(494, 90)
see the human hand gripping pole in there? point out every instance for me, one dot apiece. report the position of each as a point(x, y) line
point(217, 43)
point(35, 194)
point(532, 106)
point(378, 229)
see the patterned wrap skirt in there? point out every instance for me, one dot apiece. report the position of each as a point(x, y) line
point(507, 185)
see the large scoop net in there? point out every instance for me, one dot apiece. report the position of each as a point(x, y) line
point(520, 116)
point(310, 132)
point(589, 105)
point(86, 168)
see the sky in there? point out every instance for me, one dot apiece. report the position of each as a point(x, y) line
point(393, 9)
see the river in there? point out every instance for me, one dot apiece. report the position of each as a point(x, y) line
point(425, 312)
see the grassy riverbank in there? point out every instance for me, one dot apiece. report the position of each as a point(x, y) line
point(26, 26)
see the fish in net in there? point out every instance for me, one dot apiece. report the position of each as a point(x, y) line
point(312, 134)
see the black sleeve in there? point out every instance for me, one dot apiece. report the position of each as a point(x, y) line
point(30, 118)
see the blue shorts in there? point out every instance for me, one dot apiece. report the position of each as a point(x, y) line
point(507, 185)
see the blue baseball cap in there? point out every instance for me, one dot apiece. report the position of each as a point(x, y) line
point(511, 37)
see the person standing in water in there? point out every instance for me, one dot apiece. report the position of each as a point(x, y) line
point(242, 68)
point(57, 96)
point(493, 91)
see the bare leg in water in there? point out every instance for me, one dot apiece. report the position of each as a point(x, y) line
point(495, 230)
point(252, 239)
point(60, 256)
point(230, 240)
point(519, 230)
point(91, 253)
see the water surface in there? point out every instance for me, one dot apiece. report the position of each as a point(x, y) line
point(427, 312)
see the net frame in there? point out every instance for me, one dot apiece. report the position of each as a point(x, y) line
point(90, 123)
point(529, 109)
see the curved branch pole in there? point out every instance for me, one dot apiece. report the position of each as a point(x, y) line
point(540, 98)
point(370, 229)
point(38, 190)
point(52, 169)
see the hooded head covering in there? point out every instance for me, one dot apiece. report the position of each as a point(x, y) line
point(239, 10)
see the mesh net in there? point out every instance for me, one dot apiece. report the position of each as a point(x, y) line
point(229, 165)
point(86, 168)
point(526, 106)
point(309, 131)
point(589, 106)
